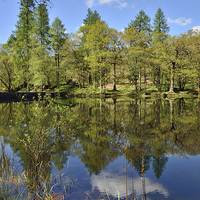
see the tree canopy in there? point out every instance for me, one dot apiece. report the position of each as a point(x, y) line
point(44, 56)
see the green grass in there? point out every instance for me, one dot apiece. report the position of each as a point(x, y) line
point(129, 90)
point(15, 184)
point(125, 89)
point(10, 180)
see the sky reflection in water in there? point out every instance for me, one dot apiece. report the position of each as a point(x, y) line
point(180, 180)
point(93, 145)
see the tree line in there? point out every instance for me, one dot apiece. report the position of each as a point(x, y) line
point(41, 56)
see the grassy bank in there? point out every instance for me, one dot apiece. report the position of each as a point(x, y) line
point(127, 90)
point(122, 89)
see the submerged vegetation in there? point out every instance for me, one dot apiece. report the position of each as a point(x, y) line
point(144, 59)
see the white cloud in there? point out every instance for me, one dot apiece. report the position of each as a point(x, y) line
point(180, 21)
point(196, 28)
point(80, 26)
point(105, 1)
point(115, 185)
point(121, 3)
point(89, 3)
point(132, 7)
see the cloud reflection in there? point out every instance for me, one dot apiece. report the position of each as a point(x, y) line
point(114, 185)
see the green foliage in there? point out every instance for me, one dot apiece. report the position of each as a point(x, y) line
point(137, 57)
point(58, 39)
point(13, 181)
point(160, 27)
point(160, 23)
point(37, 55)
point(7, 76)
point(74, 62)
point(80, 68)
point(117, 49)
point(41, 26)
point(58, 35)
point(98, 41)
point(22, 45)
point(92, 17)
point(38, 139)
point(42, 68)
point(41, 62)
point(141, 23)
point(97, 131)
point(176, 57)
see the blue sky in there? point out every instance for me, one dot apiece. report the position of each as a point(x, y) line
point(182, 15)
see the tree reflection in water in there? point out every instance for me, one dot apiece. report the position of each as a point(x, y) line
point(144, 131)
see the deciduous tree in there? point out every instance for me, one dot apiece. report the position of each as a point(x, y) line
point(98, 41)
point(6, 69)
point(116, 47)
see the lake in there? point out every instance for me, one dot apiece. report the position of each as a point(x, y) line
point(113, 148)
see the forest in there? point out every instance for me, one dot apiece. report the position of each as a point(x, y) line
point(43, 57)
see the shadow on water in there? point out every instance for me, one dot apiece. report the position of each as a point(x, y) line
point(9, 97)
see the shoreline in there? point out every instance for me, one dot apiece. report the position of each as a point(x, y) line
point(8, 97)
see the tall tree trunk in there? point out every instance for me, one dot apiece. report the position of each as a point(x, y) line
point(172, 77)
point(197, 111)
point(41, 86)
point(126, 175)
point(82, 78)
point(179, 82)
point(159, 85)
point(158, 103)
point(9, 84)
point(135, 82)
point(96, 79)
point(27, 78)
point(114, 80)
point(58, 71)
point(172, 115)
point(100, 80)
point(139, 110)
point(144, 119)
point(198, 82)
point(100, 84)
point(145, 78)
point(114, 121)
point(143, 178)
point(140, 79)
point(89, 79)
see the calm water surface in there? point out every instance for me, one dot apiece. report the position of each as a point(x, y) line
point(109, 148)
